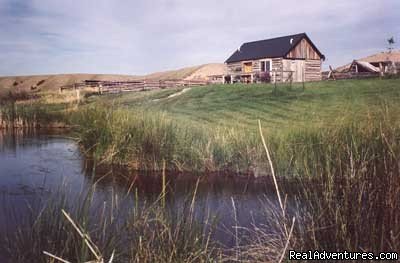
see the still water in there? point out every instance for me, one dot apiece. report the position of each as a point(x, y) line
point(33, 167)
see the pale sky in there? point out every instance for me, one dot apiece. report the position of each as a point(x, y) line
point(143, 36)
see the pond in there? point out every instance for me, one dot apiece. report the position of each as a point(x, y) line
point(36, 166)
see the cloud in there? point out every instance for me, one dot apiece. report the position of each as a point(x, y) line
point(136, 37)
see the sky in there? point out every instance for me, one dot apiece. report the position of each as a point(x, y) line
point(142, 36)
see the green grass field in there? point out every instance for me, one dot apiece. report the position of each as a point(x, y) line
point(321, 103)
point(215, 128)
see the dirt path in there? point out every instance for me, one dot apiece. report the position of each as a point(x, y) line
point(175, 94)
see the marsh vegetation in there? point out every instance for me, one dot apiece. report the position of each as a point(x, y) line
point(335, 147)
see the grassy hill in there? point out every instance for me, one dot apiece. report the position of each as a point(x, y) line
point(321, 103)
point(53, 82)
point(214, 127)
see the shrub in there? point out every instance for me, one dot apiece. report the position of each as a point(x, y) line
point(265, 77)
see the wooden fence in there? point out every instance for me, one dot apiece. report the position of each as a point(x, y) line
point(138, 85)
point(394, 70)
point(349, 75)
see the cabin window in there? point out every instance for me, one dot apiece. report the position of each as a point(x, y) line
point(266, 65)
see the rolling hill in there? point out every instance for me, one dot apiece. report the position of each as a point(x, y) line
point(50, 82)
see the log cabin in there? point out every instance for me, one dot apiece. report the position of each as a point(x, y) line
point(292, 58)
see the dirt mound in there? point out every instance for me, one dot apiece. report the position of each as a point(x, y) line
point(204, 71)
point(173, 74)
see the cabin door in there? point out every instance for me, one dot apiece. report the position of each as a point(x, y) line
point(297, 68)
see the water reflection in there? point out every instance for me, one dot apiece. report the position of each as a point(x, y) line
point(35, 166)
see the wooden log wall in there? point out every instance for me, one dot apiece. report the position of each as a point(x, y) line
point(278, 72)
point(234, 68)
point(277, 67)
point(312, 70)
point(257, 65)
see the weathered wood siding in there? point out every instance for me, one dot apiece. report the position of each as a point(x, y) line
point(234, 68)
point(277, 67)
point(238, 67)
point(313, 70)
point(302, 69)
point(294, 69)
point(303, 50)
point(256, 66)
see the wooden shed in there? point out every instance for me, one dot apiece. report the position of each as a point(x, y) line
point(292, 58)
point(384, 63)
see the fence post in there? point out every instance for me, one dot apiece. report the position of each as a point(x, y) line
point(78, 94)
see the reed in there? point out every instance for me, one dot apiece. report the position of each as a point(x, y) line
point(344, 191)
point(92, 229)
point(351, 203)
point(30, 115)
point(143, 141)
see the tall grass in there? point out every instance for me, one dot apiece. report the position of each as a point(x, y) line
point(353, 203)
point(346, 189)
point(28, 115)
point(143, 141)
point(132, 232)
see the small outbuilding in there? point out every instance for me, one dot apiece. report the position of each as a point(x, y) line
point(384, 63)
point(292, 58)
point(358, 66)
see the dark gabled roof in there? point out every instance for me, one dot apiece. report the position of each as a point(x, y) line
point(269, 48)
